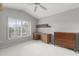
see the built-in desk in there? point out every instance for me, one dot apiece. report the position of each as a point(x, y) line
point(36, 36)
point(42, 36)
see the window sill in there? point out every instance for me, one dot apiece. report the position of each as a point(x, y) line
point(19, 37)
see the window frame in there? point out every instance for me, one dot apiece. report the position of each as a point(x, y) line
point(15, 30)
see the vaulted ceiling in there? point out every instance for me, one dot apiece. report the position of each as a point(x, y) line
point(52, 8)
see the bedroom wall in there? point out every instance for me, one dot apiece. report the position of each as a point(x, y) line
point(67, 21)
point(4, 42)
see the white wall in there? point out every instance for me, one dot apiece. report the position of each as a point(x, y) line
point(4, 25)
point(67, 21)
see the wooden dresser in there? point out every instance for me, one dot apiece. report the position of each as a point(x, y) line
point(36, 36)
point(46, 38)
point(67, 40)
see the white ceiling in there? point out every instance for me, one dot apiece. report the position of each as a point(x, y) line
point(52, 8)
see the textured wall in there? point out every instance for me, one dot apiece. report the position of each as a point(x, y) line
point(67, 21)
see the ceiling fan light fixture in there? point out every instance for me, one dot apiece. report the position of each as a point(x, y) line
point(38, 4)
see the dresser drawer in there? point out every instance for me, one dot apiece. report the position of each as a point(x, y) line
point(66, 40)
point(64, 36)
point(58, 36)
point(69, 36)
point(58, 42)
point(65, 44)
point(69, 41)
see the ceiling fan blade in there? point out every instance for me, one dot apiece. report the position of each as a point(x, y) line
point(35, 8)
point(43, 7)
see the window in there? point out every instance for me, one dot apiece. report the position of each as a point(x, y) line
point(18, 28)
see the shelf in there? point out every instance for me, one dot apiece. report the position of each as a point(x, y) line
point(42, 26)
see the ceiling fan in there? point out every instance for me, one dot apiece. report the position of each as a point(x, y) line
point(38, 4)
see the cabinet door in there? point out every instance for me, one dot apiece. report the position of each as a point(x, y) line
point(36, 36)
point(58, 36)
point(46, 38)
point(69, 36)
point(69, 40)
point(69, 45)
point(59, 43)
point(65, 43)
